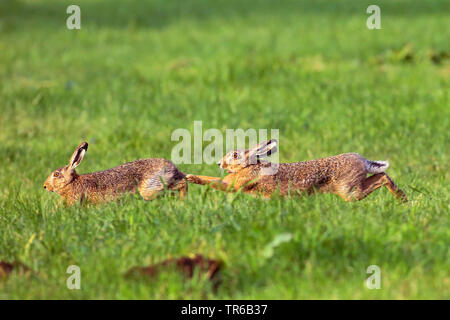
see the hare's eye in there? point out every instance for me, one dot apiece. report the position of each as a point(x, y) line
point(56, 174)
point(235, 155)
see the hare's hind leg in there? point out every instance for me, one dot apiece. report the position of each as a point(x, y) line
point(181, 186)
point(376, 181)
point(396, 191)
point(150, 188)
point(183, 190)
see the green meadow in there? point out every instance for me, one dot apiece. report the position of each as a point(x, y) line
point(138, 70)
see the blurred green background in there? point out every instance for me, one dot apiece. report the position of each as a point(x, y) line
point(138, 70)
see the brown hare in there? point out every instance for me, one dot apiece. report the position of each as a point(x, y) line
point(148, 176)
point(344, 175)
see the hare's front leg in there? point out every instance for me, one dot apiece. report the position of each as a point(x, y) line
point(214, 182)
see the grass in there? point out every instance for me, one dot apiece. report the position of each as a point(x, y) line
point(137, 71)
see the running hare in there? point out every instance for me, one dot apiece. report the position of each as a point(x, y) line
point(148, 176)
point(344, 174)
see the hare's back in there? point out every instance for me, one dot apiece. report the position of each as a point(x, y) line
point(316, 172)
point(138, 169)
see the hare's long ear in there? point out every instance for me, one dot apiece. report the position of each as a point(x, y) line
point(78, 155)
point(262, 150)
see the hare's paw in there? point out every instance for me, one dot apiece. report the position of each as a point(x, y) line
point(402, 195)
point(193, 178)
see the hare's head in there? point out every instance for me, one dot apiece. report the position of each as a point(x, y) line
point(61, 177)
point(236, 160)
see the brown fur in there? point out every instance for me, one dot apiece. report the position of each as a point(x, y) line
point(147, 176)
point(344, 175)
point(185, 265)
point(7, 268)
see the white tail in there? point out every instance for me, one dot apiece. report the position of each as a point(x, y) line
point(376, 166)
